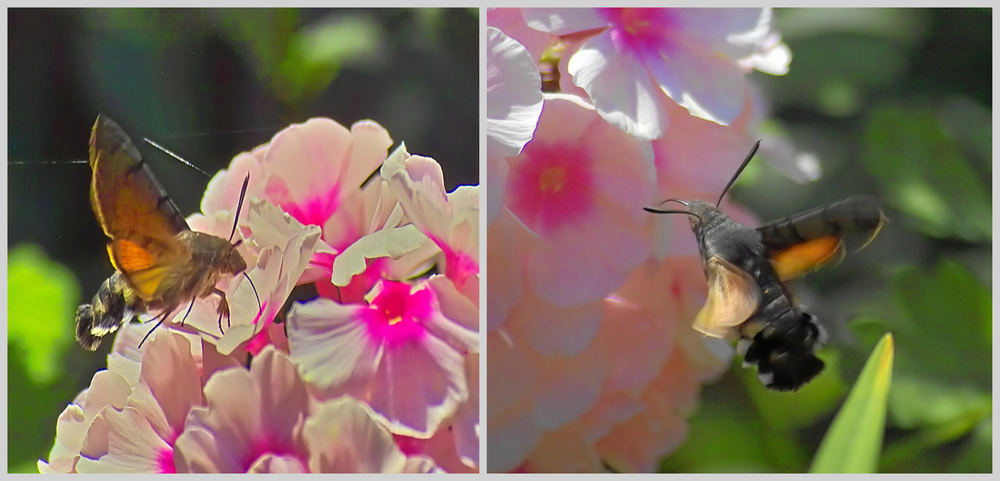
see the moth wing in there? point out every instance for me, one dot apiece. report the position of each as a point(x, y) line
point(125, 196)
point(733, 297)
point(144, 264)
point(806, 241)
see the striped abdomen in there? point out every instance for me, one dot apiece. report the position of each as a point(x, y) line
point(114, 304)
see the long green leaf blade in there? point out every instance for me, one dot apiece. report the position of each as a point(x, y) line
point(853, 443)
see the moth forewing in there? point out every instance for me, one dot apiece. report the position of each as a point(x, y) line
point(160, 263)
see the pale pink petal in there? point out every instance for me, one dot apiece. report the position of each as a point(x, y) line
point(708, 86)
point(274, 463)
point(563, 451)
point(562, 21)
point(454, 305)
point(223, 191)
point(431, 375)
point(328, 345)
point(554, 331)
point(128, 444)
point(369, 142)
point(196, 451)
point(512, 434)
point(249, 414)
point(343, 437)
point(619, 86)
point(282, 393)
point(465, 426)
point(172, 375)
point(511, 23)
point(514, 93)
point(505, 267)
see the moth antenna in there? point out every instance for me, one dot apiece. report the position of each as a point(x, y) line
point(164, 149)
point(239, 205)
point(658, 211)
point(746, 161)
point(340, 298)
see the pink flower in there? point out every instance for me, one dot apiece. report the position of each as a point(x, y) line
point(399, 354)
point(691, 55)
point(622, 398)
point(314, 171)
point(130, 424)
point(513, 87)
point(249, 414)
point(449, 220)
point(580, 186)
point(344, 437)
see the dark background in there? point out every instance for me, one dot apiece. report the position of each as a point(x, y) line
point(206, 84)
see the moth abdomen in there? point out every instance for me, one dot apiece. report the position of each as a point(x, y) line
point(112, 306)
point(784, 350)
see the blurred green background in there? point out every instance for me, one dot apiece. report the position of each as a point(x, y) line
point(895, 103)
point(206, 84)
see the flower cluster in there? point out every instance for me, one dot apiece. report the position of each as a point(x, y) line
point(376, 372)
point(592, 115)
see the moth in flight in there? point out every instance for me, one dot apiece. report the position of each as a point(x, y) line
point(747, 268)
point(160, 263)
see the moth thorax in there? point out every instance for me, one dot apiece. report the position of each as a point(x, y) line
point(214, 251)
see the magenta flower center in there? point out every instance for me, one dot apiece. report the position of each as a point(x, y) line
point(638, 30)
point(550, 185)
point(396, 314)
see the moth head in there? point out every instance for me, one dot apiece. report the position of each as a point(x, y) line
point(233, 262)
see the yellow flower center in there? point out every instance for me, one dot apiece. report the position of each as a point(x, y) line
point(552, 179)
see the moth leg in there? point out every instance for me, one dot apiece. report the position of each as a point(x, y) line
point(188, 312)
point(163, 316)
point(223, 308)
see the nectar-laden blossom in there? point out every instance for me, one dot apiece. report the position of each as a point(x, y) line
point(691, 55)
point(205, 394)
point(593, 360)
point(400, 354)
point(579, 186)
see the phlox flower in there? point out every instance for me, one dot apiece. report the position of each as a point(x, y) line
point(315, 171)
point(691, 55)
point(449, 220)
point(130, 416)
point(399, 353)
point(513, 86)
point(579, 186)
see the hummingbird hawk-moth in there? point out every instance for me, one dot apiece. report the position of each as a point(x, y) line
point(746, 269)
point(160, 263)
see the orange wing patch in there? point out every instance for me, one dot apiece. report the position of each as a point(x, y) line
point(142, 269)
point(806, 256)
point(128, 257)
point(733, 297)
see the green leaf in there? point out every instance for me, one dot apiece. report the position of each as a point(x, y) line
point(925, 175)
point(43, 296)
point(727, 435)
point(854, 439)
